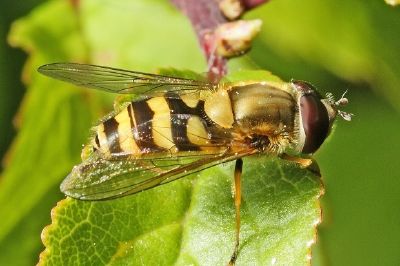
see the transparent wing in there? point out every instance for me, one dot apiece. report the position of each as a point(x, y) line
point(118, 80)
point(97, 178)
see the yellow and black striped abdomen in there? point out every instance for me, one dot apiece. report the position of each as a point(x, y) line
point(157, 124)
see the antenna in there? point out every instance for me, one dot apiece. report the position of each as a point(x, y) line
point(341, 102)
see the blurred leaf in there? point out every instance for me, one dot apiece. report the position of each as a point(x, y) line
point(361, 211)
point(252, 75)
point(393, 2)
point(48, 142)
point(354, 40)
point(191, 221)
point(11, 88)
point(22, 245)
point(55, 118)
point(11, 61)
point(139, 35)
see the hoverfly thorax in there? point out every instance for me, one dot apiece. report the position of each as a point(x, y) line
point(316, 116)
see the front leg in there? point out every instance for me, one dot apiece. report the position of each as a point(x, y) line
point(308, 163)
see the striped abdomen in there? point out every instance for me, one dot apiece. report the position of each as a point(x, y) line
point(156, 124)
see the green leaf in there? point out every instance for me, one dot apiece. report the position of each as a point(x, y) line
point(48, 142)
point(191, 221)
point(139, 35)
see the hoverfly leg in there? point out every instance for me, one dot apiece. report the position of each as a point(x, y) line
point(303, 162)
point(310, 164)
point(238, 200)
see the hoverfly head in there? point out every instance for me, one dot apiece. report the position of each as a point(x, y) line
point(316, 115)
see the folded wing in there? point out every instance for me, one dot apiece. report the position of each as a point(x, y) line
point(98, 178)
point(118, 80)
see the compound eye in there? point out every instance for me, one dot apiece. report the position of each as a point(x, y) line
point(315, 122)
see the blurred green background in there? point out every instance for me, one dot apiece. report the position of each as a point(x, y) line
point(336, 45)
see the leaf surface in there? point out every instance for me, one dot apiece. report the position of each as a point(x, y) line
point(191, 221)
point(48, 142)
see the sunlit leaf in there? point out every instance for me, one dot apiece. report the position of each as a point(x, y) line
point(48, 142)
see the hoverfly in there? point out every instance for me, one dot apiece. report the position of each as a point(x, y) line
point(179, 126)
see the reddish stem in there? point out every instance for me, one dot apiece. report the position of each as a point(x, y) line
point(206, 16)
